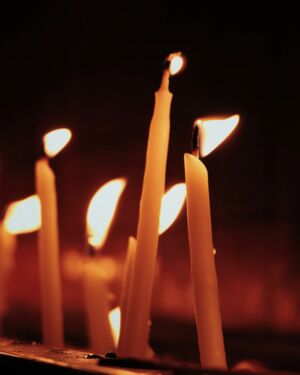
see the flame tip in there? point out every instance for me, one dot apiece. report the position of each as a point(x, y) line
point(114, 317)
point(172, 203)
point(23, 216)
point(176, 62)
point(101, 210)
point(213, 131)
point(55, 140)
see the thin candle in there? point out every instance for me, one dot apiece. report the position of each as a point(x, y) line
point(22, 216)
point(204, 277)
point(171, 205)
point(100, 213)
point(7, 250)
point(48, 241)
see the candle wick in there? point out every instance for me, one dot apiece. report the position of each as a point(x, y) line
point(91, 251)
point(196, 141)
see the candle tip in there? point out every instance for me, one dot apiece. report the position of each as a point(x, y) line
point(196, 140)
point(209, 133)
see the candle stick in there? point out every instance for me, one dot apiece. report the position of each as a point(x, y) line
point(139, 301)
point(100, 213)
point(20, 217)
point(97, 309)
point(7, 249)
point(204, 278)
point(48, 242)
point(127, 280)
point(171, 204)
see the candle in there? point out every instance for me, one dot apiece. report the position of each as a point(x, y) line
point(20, 217)
point(48, 241)
point(126, 286)
point(172, 203)
point(7, 249)
point(97, 309)
point(139, 301)
point(204, 278)
point(100, 213)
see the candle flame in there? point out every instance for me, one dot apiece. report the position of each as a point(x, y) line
point(101, 210)
point(176, 63)
point(56, 140)
point(23, 216)
point(114, 317)
point(172, 203)
point(213, 132)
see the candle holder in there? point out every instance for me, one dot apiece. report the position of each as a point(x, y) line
point(34, 357)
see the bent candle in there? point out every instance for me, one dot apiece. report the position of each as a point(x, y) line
point(138, 307)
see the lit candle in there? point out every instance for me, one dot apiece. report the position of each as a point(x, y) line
point(7, 249)
point(126, 285)
point(22, 216)
point(48, 241)
point(172, 203)
point(100, 213)
point(139, 301)
point(204, 278)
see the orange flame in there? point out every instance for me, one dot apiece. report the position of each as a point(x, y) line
point(172, 203)
point(214, 131)
point(56, 140)
point(101, 210)
point(176, 63)
point(23, 216)
point(114, 317)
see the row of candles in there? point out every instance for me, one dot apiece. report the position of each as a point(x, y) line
point(157, 212)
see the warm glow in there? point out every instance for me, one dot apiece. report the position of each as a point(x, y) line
point(176, 63)
point(115, 324)
point(23, 216)
point(101, 210)
point(171, 205)
point(56, 140)
point(213, 132)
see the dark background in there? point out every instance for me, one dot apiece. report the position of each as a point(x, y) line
point(94, 68)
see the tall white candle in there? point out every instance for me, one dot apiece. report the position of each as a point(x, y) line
point(139, 301)
point(48, 246)
point(48, 241)
point(208, 134)
point(204, 278)
point(7, 250)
